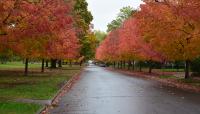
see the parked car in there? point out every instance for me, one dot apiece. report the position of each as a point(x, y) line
point(102, 65)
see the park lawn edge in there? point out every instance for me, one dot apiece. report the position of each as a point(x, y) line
point(170, 82)
point(17, 106)
point(61, 91)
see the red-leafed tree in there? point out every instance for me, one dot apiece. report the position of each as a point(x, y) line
point(172, 28)
point(125, 44)
point(108, 51)
point(24, 27)
point(66, 46)
point(130, 45)
point(29, 28)
point(162, 30)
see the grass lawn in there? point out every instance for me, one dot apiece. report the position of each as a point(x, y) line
point(36, 86)
point(17, 65)
point(168, 77)
point(18, 108)
point(191, 81)
point(172, 70)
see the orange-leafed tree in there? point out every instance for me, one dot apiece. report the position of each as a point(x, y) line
point(108, 49)
point(24, 27)
point(172, 28)
point(27, 27)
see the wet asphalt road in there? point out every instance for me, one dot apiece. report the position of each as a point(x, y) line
point(104, 92)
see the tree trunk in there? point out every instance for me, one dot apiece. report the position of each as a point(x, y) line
point(53, 63)
point(26, 67)
point(118, 65)
point(187, 69)
point(140, 65)
point(124, 64)
point(129, 65)
point(47, 63)
point(60, 63)
point(42, 70)
point(177, 68)
point(133, 65)
point(150, 66)
point(81, 63)
point(70, 63)
point(150, 69)
point(114, 64)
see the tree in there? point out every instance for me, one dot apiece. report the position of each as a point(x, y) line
point(65, 46)
point(105, 50)
point(171, 28)
point(100, 35)
point(89, 46)
point(83, 19)
point(22, 32)
point(124, 14)
point(195, 66)
point(30, 28)
point(125, 44)
point(81, 10)
point(128, 47)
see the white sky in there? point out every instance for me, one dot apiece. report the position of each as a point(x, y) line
point(104, 11)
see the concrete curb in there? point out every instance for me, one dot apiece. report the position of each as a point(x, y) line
point(65, 88)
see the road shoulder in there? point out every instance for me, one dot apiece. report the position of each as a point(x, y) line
point(168, 82)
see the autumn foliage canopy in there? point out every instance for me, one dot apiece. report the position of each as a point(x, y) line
point(38, 29)
point(162, 30)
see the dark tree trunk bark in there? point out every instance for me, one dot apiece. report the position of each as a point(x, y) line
point(150, 66)
point(177, 68)
point(163, 68)
point(129, 65)
point(150, 69)
point(118, 65)
point(114, 64)
point(140, 65)
point(124, 64)
point(60, 63)
point(133, 65)
point(187, 69)
point(81, 63)
point(42, 70)
point(26, 67)
point(47, 63)
point(70, 63)
point(121, 64)
point(53, 63)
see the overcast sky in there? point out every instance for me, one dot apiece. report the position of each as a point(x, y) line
point(104, 11)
